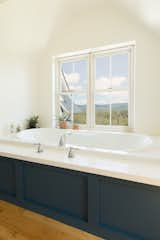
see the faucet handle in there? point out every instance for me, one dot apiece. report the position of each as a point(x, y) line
point(71, 152)
point(39, 147)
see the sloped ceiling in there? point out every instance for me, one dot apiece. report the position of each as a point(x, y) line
point(147, 11)
point(27, 25)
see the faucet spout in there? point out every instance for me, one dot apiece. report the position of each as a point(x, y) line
point(62, 140)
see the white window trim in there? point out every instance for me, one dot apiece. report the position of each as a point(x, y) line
point(90, 54)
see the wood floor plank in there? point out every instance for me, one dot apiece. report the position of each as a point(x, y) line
point(19, 224)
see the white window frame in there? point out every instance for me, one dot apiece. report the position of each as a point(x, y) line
point(90, 55)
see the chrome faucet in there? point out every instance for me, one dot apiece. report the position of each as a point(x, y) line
point(62, 140)
point(39, 147)
point(71, 152)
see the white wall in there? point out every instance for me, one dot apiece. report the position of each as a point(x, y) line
point(18, 89)
point(99, 26)
point(25, 27)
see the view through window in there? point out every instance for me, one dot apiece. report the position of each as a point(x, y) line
point(95, 89)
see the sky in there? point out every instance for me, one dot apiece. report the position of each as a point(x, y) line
point(76, 74)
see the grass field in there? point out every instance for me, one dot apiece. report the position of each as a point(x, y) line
point(119, 118)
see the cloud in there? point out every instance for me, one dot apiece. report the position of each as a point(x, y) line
point(120, 97)
point(73, 78)
point(112, 97)
point(104, 83)
point(118, 81)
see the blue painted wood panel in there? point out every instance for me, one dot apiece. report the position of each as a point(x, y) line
point(130, 208)
point(7, 176)
point(111, 208)
point(53, 188)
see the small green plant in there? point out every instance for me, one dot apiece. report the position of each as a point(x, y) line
point(18, 128)
point(60, 119)
point(33, 122)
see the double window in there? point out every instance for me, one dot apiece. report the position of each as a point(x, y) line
point(95, 88)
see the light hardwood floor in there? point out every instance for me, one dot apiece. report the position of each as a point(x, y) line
point(19, 224)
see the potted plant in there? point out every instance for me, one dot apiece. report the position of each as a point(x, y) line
point(76, 127)
point(62, 122)
point(33, 122)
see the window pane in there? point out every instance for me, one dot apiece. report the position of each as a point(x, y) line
point(65, 106)
point(102, 80)
point(120, 108)
point(120, 71)
point(74, 75)
point(79, 109)
point(102, 109)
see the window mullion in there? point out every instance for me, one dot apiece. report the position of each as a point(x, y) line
point(88, 96)
point(110, 97)
point(72, 110)
point(92, 90)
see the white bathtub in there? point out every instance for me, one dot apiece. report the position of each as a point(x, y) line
point(109, 141)
point(47, 136)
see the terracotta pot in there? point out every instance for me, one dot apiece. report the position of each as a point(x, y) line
point(63, 124)
point(76, 127)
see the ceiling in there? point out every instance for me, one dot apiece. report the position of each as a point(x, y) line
point(147, 11)
point(1, 1)
point(27, 25)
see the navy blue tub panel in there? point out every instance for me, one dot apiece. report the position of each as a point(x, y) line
point(111, 208)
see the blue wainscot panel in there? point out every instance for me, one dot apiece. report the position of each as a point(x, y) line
point(7, 177)
point(129, 208)
point(110, 208)
point(56, 189)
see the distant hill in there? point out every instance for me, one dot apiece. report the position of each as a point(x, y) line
point(120, 106)
point(116, 106)
point(82, 108)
